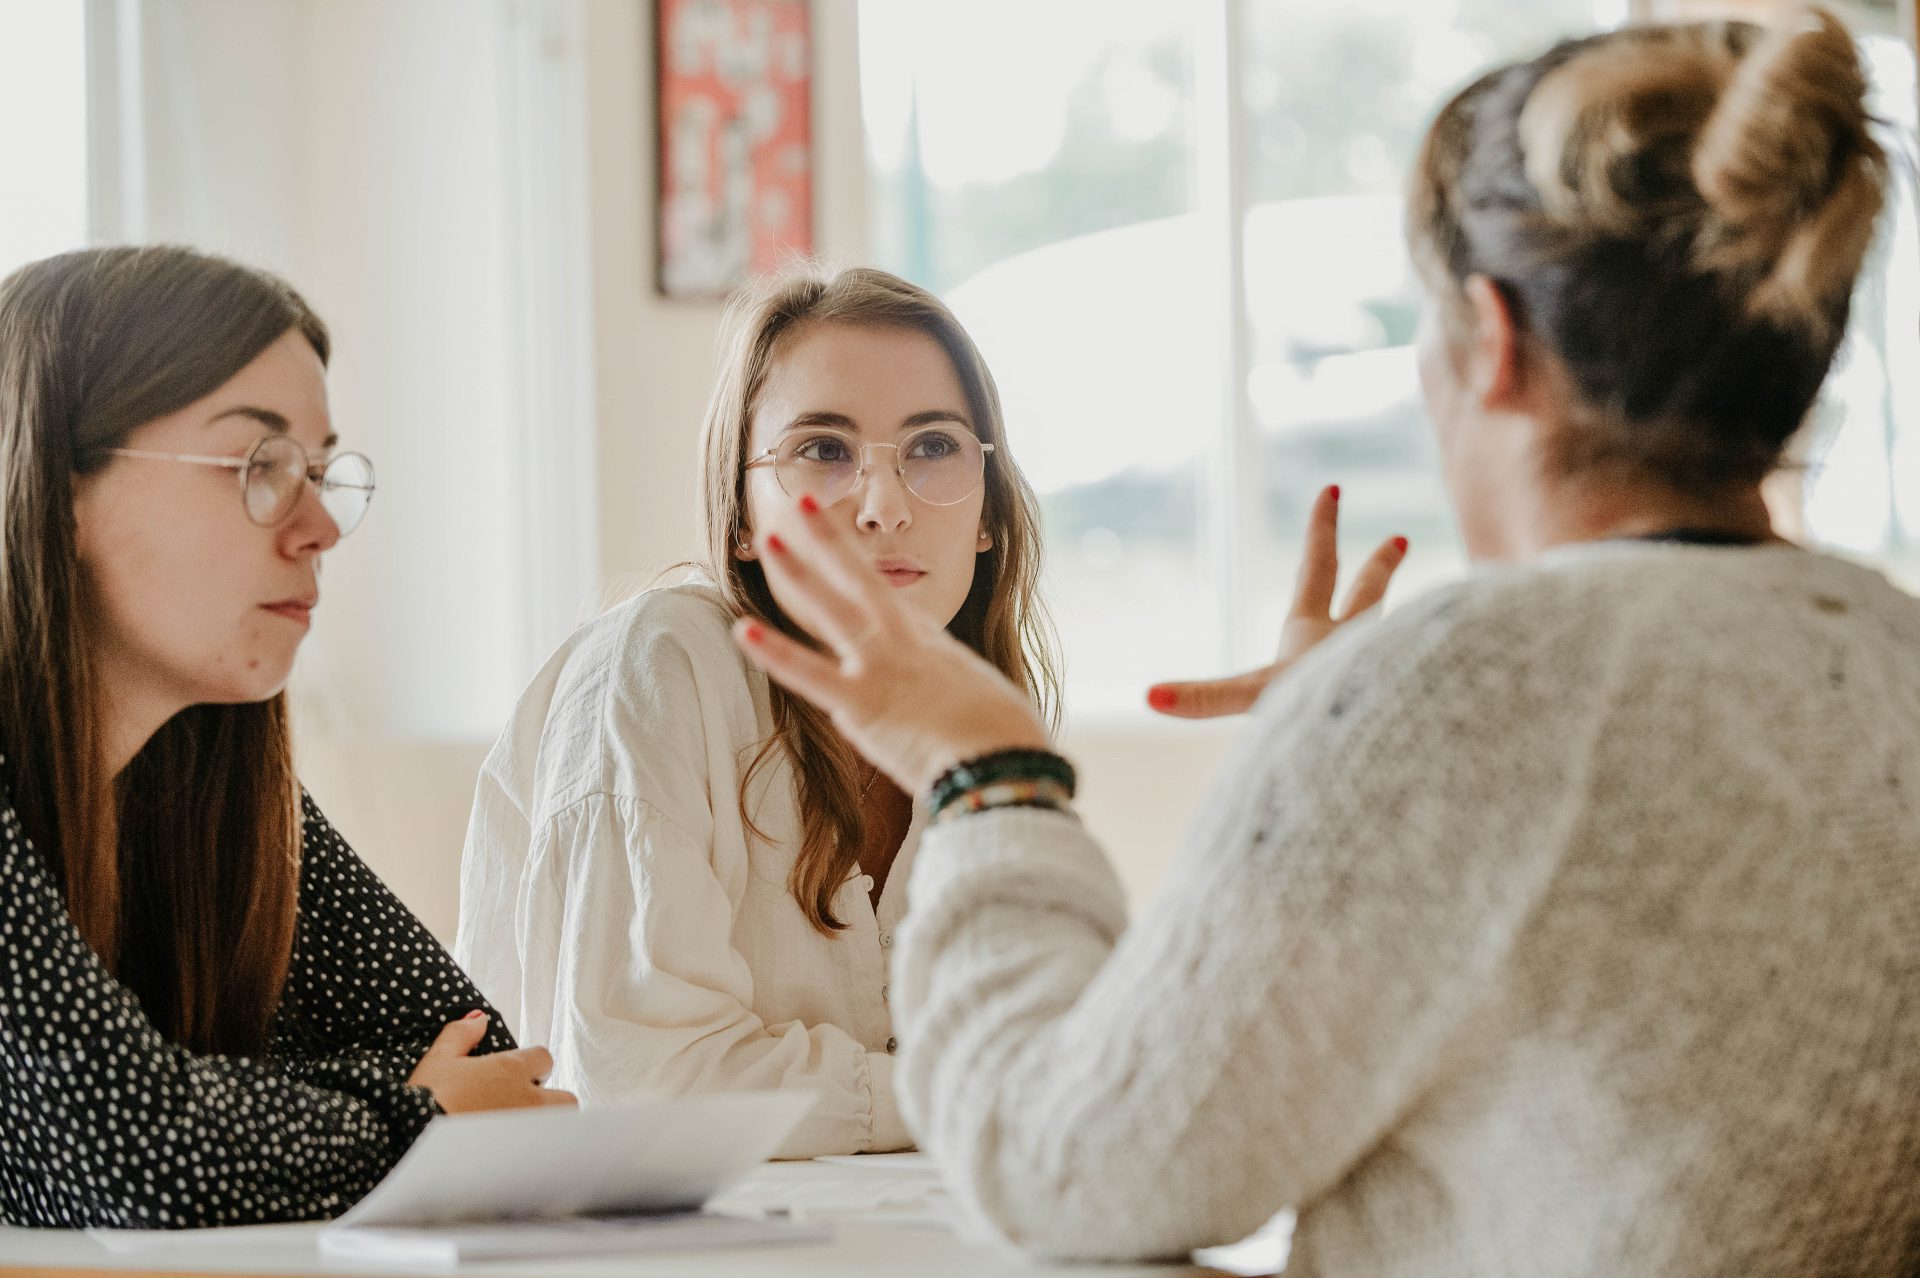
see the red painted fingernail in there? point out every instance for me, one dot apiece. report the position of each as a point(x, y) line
point(1333, 491)
point(774, 544)
point(1400, 544)
point(1161, 698)
point(476, 1012)
point(755, 632)
point(809, 506)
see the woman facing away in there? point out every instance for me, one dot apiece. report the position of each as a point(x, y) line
point(211, 1012)
point(681, 877)
point(1561, 922)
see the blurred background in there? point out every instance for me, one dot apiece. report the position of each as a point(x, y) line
point(1173, 226)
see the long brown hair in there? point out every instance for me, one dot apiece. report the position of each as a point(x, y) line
point(1002, 619)
point(183, 872)
point(1678, 213)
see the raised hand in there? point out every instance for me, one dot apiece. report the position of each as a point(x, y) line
point(464, 1083)
point(1311, 619)
point(910, 697)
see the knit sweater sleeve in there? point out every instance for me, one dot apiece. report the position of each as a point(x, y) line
point(1105, 1092)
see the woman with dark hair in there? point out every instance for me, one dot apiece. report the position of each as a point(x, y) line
point(1562, 922)
point(211, 1012)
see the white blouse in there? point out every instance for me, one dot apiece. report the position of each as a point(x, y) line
point(616, 907)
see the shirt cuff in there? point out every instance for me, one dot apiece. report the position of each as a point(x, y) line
point(889, 1126)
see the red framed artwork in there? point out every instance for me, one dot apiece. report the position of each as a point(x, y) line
point(734, 83)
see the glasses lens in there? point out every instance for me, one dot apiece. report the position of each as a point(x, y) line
point(276, 468)
point(821, 466)
point(942, 465)
point(346, 489)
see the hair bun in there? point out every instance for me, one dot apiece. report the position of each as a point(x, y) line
point(1607, 136)
point(1790, 172)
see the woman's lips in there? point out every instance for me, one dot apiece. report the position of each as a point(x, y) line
point(302, 613)
point(902, 576)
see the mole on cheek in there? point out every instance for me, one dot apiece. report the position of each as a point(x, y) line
point(253, 663)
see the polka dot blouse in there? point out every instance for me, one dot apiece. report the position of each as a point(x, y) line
point(103, 1122)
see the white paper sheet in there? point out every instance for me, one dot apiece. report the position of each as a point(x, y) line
point(300, 1239)
point(547, 1181)
point(855, 1189)
point(668, 1154)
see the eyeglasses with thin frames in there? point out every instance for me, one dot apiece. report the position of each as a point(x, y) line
point(941, 465)
point(271, 475)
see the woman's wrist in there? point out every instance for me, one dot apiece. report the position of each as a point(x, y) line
point(1017, 777)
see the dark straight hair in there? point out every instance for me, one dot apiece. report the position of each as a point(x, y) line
point(183, 872)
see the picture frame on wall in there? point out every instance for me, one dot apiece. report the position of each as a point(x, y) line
point(733, 95)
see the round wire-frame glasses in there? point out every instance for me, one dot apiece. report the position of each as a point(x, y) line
point(271, 475)
point(941, 465)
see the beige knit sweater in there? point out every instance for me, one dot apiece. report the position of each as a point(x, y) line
point(1566, 921)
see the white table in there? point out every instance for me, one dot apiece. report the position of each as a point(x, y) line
point(855, 1249)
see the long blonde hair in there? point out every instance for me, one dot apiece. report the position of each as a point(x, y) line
point(1002, 619)
point(1679, 214)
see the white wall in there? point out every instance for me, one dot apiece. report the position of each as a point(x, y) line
point(352, 145)
point(656, 355)
point(372, 152)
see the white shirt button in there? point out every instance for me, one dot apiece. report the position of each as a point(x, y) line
point(883, 992)
point(886, 940)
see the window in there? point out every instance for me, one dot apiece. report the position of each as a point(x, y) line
point(1862, 482)
point(1072, 211)
point(1055, 209)
point(1066, 176)
point(43, 184)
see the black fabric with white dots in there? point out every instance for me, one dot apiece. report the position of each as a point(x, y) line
point(103, 1122)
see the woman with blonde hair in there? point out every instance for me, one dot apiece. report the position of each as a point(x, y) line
point(1561, 922)
point(682, 875)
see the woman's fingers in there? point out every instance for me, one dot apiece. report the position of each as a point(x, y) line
point(845, 582)
point(459, 1038)
point(1370, 585)
point(1210, 698)
point(822, 607)
point(1320, 560)
point(537, 1060)
point(554, 1096)
point(793, 665)
point(1311, 620)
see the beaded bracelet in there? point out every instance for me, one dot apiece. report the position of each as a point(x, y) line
point(1001, 765)
point(1044, 793)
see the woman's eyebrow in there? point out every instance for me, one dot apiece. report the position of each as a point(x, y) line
point(265, 416)
point(840, 421)
point(275, 422)
point(931, 415)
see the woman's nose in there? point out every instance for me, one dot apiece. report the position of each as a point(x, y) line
point(885, 503)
